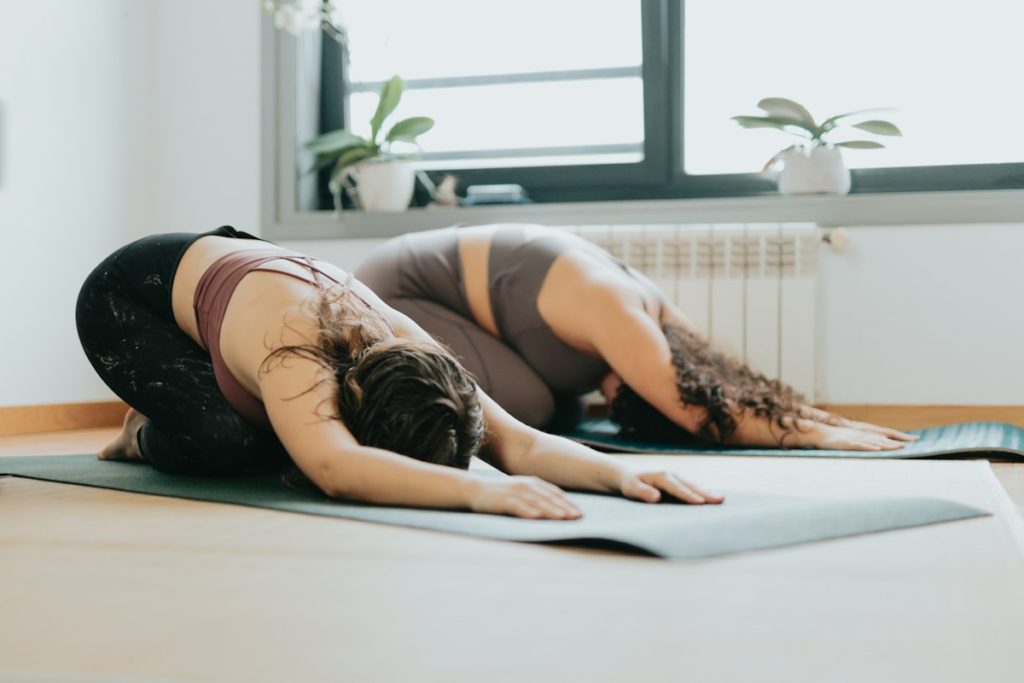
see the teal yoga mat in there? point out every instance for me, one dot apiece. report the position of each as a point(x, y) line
point(745, 522)
point(970, 439)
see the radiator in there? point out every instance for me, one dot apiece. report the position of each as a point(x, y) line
point(749, 288)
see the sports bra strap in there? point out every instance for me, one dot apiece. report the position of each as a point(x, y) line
point(212, 295)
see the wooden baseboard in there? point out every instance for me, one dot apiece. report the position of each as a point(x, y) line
point(57, 417)
point(63, 416)
point(918, 416)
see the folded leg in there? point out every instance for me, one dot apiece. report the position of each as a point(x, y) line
point(498, 369)
point(145, 358)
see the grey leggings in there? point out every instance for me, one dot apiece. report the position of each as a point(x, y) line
point(498, 369)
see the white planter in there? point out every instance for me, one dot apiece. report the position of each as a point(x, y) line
point(382, 185)
point(813, 170)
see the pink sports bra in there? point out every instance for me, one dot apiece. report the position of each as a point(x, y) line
point(213, 293)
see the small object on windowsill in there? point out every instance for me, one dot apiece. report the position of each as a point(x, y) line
point(446, 191)
point(477, 195)
point(443, 193)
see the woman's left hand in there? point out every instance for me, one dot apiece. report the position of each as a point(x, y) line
point(819, 415)
point(876, 429)
point(649, 485)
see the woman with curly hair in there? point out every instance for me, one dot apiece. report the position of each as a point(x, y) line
point(236, 354)
point(541, 317)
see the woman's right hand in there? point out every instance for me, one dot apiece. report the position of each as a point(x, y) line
point(529, 497)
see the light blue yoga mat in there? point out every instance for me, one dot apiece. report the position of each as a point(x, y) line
point(671, 530)
point(970, 439)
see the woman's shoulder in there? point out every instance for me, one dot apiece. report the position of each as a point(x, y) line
point(205, 251)
point(197, 261)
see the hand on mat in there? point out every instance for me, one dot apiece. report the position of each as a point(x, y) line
point(649, 485)
point(838, 421)
point(528, 497)
point(885, 431)
point(831, 437)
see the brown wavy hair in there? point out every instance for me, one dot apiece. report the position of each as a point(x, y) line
point(406, 396)
point(713, 380)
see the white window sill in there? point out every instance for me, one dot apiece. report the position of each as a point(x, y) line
point(917, 208)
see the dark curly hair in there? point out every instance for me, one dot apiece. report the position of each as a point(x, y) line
point(403, 395)
point(705, 377)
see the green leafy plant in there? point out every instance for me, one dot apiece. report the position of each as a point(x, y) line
point(343, 149)
point(793, 118)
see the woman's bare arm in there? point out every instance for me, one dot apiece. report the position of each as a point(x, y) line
point(519, 449)
point(332, 458)
point(633, 344)
point(299, 406)
point(677, 317)
point(546, 460)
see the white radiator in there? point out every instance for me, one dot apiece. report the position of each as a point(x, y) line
point(750, 288)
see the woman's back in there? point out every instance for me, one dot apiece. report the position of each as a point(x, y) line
point(574, 275)
point(271, 306)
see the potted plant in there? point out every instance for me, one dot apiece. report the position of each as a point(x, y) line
point(815, 164)
point(376, 176)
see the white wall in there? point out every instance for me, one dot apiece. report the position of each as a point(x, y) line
point(923, 315)
point(118, 118)
point(74, 169)
point(909, 314)
point(206, 111)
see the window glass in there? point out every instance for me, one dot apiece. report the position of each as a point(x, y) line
point(536, 82)
point(950, 70)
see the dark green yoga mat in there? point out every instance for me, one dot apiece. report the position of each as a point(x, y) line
point(745, 522)
point(971, 439)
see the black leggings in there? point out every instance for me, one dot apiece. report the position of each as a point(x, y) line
point(127, 328)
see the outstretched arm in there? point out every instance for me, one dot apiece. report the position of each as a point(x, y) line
point(299, 403)
point(522, 450)
point(635, 347)
point(335, 462)
point(329, 455)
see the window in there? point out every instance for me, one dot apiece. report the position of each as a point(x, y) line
point(501, 85)
point(632, 99)
point(947, 69)
point(543, 93)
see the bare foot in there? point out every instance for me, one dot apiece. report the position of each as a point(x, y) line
point(126, 445)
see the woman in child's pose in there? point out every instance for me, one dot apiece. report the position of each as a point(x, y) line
point(235, 354)
point(541, 317)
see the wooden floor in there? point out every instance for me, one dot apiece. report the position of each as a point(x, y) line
point(102, 585)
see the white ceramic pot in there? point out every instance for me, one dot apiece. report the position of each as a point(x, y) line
point(813, 170)
point(383, 185)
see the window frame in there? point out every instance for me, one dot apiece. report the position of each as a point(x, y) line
point(629, 192)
